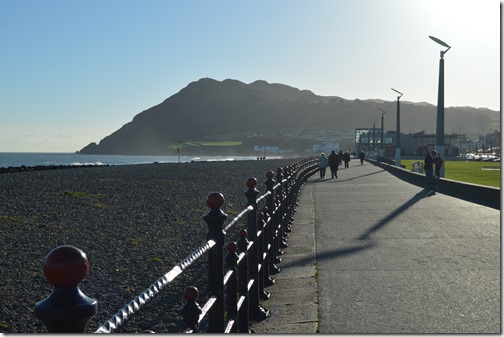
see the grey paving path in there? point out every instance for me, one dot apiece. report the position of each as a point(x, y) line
point(369, 253)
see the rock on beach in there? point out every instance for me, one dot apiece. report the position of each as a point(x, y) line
point(134, 222)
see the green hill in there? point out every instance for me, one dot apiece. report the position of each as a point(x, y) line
point(262, 113)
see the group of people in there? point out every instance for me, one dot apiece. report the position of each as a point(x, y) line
point(432, 168)
point(333, 161)
point(432, 165)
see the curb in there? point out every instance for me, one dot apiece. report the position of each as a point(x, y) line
point(293, 303)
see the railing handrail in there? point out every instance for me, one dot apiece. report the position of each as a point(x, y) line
point(148, 294)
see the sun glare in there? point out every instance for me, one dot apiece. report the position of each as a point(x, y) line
point(478, 17)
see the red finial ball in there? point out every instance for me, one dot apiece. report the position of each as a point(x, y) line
point(65, 266)
point(251, 182)
point(243, 233)
point(270, 174)
point(286, 169)
point(261, 215)
point(279, 170)
point(232, 246)
point(215, 200)
point(191, 293)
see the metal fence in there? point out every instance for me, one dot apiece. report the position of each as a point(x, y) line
point(236, 279)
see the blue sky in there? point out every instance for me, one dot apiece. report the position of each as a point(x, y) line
point(72, 72)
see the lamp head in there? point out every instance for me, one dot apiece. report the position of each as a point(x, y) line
point(444, 44)
point(400, 93)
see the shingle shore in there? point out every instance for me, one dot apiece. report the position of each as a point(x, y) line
point(134, 222)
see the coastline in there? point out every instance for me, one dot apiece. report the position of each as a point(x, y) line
point(36, 159)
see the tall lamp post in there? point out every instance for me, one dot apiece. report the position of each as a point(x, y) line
point(398, 132)
point(374, 134)
point(369, 140)
point(440, 104)
point(383, 113)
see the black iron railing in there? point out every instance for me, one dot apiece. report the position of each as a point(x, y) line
point(236, 279)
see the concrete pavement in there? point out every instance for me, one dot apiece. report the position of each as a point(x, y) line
point(370, 253)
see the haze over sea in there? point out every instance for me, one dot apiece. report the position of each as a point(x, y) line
point(16, 159)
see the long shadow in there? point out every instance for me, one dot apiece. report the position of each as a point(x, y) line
point(335, 180)
point(363, 175)
point(417, 197)
point(363, 239)
point(329, 254)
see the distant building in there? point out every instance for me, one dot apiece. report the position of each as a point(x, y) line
point(266, 149)
point(369, 139)
point(324, 147)
point(416, 144)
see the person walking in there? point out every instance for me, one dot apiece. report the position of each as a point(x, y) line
point(362, 155)
point(322, 165)
point(437, 164)
point(340, 156)
point(333, 160)
point(429, 163)
point(346, 158)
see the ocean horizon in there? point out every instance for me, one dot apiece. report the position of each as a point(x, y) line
point(17, 159)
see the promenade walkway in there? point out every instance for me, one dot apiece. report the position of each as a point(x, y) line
point(371, 254)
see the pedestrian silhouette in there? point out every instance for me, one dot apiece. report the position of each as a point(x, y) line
point(333, 164)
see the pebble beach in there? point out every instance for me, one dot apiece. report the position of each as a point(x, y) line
point(134, 223)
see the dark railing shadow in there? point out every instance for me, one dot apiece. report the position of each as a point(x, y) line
point(401, 209)
point(362, 241)
point(340, 179)
point(362, 176)
point(330, 254)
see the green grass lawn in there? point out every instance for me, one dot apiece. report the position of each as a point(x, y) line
point(467, 171)
point(207, 143)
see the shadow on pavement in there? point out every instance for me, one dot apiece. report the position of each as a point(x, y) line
point(342, 179)
point(362, 240)
point(401, 209)
point(343, 251)
point(329, 254)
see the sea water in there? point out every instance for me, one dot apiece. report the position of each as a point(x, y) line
point(16, 159)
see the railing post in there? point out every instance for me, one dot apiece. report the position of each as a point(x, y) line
point(243, 315)
point(279, 240)
point(270, 204)
point(282, 178)
point(232, 286)
point(66, 309)
point(257, 313)
point(261, 240)
point(215, 220)
point(295, 190)
point(191, 309)
point(267, 245)
point(289, 217)
point(298, 171)
point(281, 209)
point(280, 215)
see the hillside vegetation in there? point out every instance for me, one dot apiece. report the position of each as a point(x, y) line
point(262, 113)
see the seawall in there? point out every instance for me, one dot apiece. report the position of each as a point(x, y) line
point(483, 195)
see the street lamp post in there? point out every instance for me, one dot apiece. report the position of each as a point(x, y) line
point(440, 105)
point(398, 131)
point(383, 113)
point(369, 140)
point(374, 134)
point(178, 150)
